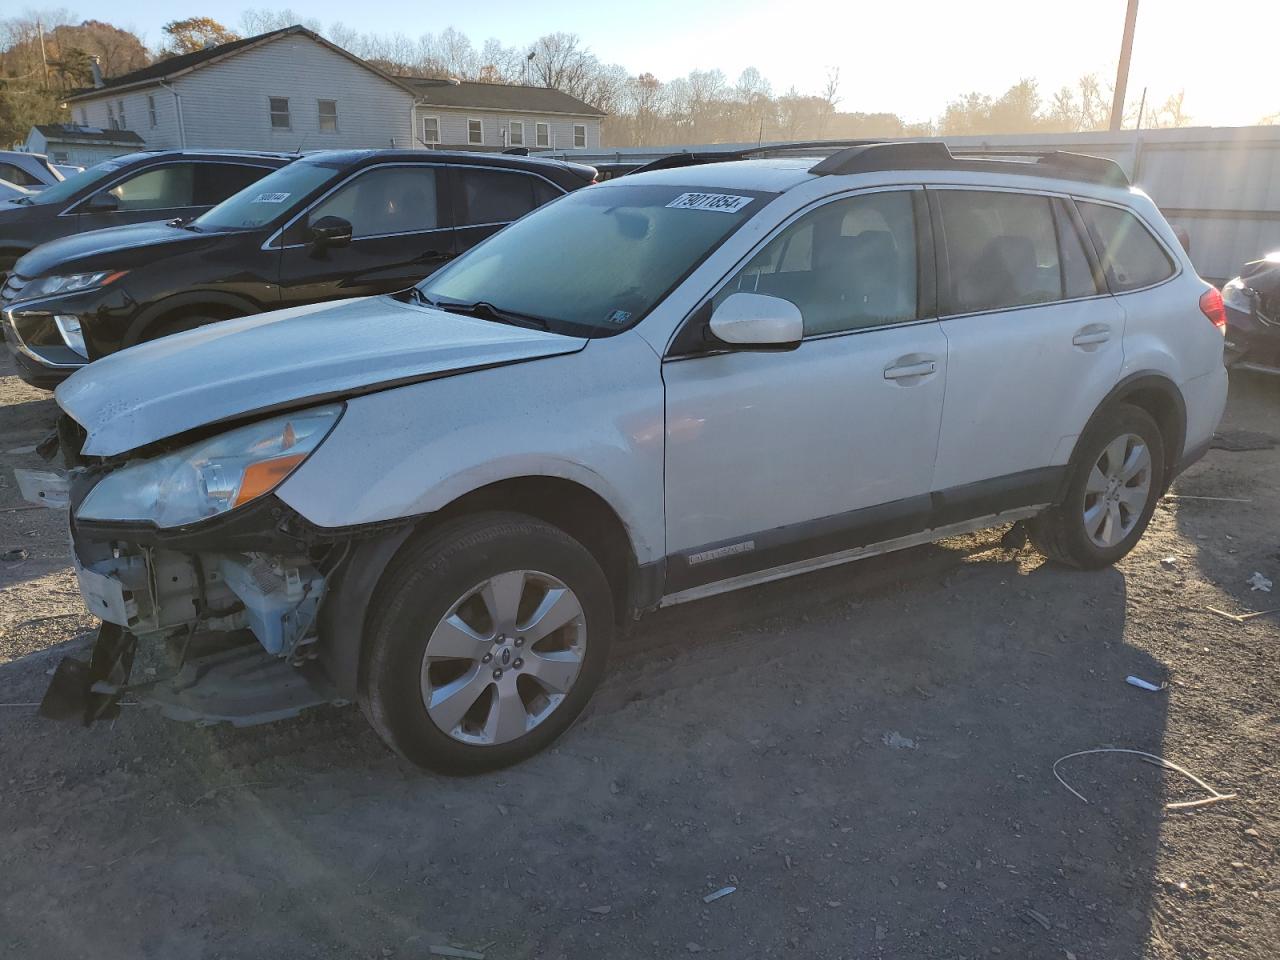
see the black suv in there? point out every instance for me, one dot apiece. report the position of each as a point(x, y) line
point(158, 185)
point(332, 224)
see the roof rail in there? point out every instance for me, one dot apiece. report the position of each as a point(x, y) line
point(687, 158)
point(935, 155)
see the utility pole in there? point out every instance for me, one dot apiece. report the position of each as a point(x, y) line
point(1122, 69)
point(43, 59)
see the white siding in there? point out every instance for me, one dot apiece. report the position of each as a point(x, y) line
point(453, 127)
point(226, 104)
point(164, 135)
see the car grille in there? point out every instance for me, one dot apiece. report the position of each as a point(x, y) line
point(12, 288)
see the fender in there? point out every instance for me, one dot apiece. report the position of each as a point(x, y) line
point(1173, 425)
point(196, 298)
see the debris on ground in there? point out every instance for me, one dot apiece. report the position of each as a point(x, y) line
point(1259, 582)
point(1243, 617)
point(1038, 917)
point(897, 741)
point(1169, 563)
point(1239, 441)
point(18, 553)
point(1143, 684)
point(1178, 496)
point(602, 910)
point(1215, 796)
point(722, 892)
point(460, 954)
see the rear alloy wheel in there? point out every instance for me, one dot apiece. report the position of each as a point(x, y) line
point(1117, 476)
point(490, 635)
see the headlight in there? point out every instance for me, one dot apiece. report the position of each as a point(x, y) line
point(213, 476)
point(71, 283)
point(1239, 297)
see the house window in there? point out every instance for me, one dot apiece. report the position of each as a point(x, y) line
point(475, 131)
point(542, 135)
point(120, 111)
point(111, 118)
point(84, 117)
point(430, 129)
point(280, 113)
point(515, 137)
point(579, 134)
point(151, 110)
point(328, 116)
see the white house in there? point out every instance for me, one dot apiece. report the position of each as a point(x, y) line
point(291, 89)
point(82, 146)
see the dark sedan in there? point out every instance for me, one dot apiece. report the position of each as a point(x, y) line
point(1252, 302)
point(330, 225)
point(157, 185)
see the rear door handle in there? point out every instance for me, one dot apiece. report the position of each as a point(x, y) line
point(919, 368)
point(1092, 334)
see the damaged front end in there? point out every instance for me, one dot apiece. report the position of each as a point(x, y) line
point(209, 587)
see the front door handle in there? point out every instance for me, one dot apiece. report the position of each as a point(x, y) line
point(916, 368)
point(1092, 334)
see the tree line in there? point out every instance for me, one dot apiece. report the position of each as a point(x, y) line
point(44, 57)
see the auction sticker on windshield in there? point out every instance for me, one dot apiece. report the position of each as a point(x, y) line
point(270, 198)
point(719, 202)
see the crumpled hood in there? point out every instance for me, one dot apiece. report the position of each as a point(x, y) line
point(115, 247)
point(283, 359)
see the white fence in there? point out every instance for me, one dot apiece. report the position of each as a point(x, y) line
point(1222, 184)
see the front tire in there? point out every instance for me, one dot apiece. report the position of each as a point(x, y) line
point(491, 634)
point(1117, 475)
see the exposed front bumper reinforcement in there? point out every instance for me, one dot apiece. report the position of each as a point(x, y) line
point(240, 684)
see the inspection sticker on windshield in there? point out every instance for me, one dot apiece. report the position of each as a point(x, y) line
point(719, 202)
point(270, 198)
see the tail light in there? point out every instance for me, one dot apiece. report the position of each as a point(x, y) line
point(1211, 306)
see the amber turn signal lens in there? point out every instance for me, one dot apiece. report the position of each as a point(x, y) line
point(263, 476)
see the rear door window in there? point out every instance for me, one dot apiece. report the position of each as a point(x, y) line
point(495, 196)
point(1002, 250)
point(1131, 257)
point(1077, 272)
point(217, 181)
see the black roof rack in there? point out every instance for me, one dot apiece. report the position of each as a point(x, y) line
point(935, 155)
point(686, 158)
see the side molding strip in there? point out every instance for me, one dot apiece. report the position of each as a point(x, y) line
point(846, 556)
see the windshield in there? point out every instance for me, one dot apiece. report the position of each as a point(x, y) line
point(269, 198)
point(66, 189)
point(598, 259)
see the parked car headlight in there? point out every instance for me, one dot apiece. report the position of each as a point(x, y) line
point(1239, 297)
point(70, 283)
point(213, 476)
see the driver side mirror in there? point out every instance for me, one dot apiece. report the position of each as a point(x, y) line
point(104, 202)
point(754, 321)
point(330, 232)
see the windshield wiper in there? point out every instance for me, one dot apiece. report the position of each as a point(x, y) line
point(486, 311)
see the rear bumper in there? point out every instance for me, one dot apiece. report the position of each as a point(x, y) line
point(1252, 343)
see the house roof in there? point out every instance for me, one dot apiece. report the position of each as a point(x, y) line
point(186, 62)
point(74, 133)
point(498, 96)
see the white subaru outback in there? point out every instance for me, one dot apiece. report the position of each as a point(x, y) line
point(444, 503)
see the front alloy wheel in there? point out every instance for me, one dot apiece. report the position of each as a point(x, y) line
point(504, 657)
point(489, 635)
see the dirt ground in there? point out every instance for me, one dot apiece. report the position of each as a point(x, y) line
point(865, 753)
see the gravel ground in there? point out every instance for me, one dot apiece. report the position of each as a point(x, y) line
point(865, 753)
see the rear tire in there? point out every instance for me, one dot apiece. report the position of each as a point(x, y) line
point(1117, 476)
point(466, 666)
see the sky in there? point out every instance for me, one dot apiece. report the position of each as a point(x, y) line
point(901, 56)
